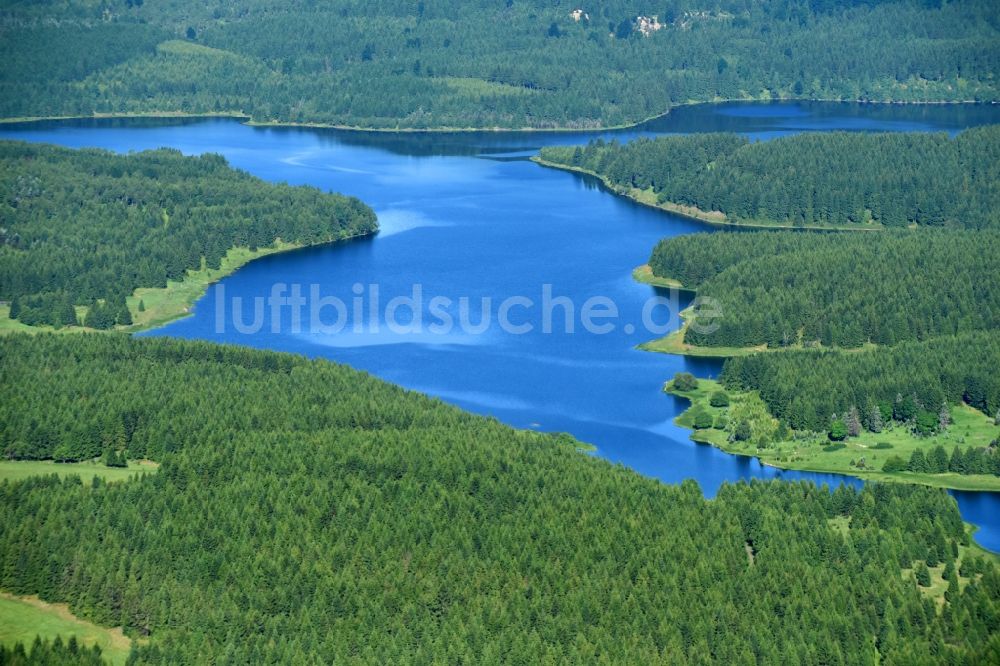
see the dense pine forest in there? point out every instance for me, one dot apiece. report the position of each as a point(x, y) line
point(51, 653)
point(88, 227)
point(806, 389)
point(813, 179)
point(784, 289)
point(318, 514)
point(484, 63)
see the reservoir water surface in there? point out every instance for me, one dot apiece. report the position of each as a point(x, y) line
point(466, 215)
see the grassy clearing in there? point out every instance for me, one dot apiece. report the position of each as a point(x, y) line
point(182, 47)
point(644, 275)
point(673, 343)
point(16, 470)
point(472, 87)
point(938, 584)
point(163, 305)
point(858, 457)
point(23, 618)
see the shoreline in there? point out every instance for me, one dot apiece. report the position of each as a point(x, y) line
point(164, 305)
point(249, 121)
point(644, 275)
point(949, 481)
point(673, 342)
point(713, 218)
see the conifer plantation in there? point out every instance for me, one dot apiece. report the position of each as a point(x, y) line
point(844, 290)
point(806, 388)
point(318, 514)
point(840, 179)
point(166, 500)
point(88, 227)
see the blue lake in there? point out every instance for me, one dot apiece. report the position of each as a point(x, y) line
point(466, 215)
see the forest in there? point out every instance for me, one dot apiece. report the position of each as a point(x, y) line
point(54, 653)
point(805, 389)
point(784, 289)
point(88, 227)
point(838, 179)
point(484, 63)
point(318, 514)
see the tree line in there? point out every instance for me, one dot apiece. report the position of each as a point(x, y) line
point(399, 63)
point(835, 289)
point(806, 389)
point(838, 179)
point(389, 526)
point(88, 227)
point(51, 653)
point(937, 461)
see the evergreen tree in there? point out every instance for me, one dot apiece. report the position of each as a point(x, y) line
point(853, 422)
point(874, 421)
point(923, 575)
point(937, 461)
point(918, 462)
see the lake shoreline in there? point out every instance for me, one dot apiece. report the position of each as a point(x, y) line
point(249, 121)
point(967, 483)
point(714, 218)
point(165, 305)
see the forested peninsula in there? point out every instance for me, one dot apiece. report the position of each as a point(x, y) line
point(829, 180)
point(92, 238)
point(389, 526)
point(866, 354)
point(843, 290)
point(399, 64)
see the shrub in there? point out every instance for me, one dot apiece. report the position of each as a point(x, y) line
point(719, 399)
point(703, 420)
point(685, 381)
point(894, 464)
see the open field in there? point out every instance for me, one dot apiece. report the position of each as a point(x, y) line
point(23, 618)
point(15, 470)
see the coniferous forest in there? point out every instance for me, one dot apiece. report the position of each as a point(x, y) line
point(784, 289)
point(812, 179)
point(318, 514)
point(288, 510)
point(923, 301)
point(806, 388)
point(485, 63)
point(88, 227)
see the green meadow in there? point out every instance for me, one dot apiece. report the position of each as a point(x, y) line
point(16, 470)
point(23, 618)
